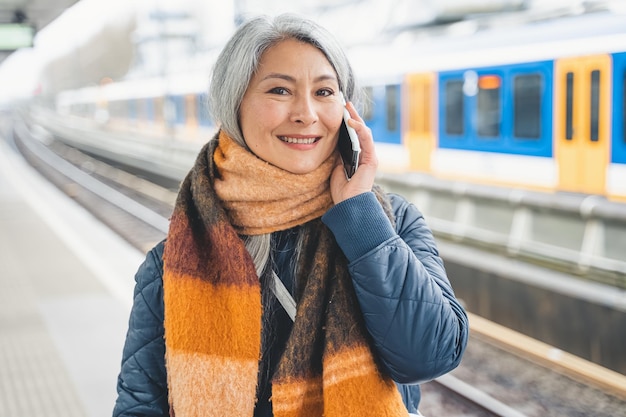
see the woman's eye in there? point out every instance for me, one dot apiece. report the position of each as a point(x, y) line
point(279, 90)
point(325, 92)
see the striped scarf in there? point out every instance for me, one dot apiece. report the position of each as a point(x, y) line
point(213, 312)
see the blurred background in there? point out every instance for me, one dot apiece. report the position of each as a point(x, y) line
point(53, 45)
point(504, 121)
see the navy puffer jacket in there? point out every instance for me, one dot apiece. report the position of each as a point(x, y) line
point(418, 327)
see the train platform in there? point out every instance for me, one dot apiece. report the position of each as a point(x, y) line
point(65, 295)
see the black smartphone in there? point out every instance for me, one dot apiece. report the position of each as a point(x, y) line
point(348, 144)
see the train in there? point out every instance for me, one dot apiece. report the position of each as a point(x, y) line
point(539, 106)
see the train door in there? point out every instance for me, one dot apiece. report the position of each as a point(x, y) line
point(582, 117)
point(420, 132)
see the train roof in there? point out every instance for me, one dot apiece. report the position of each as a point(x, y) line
point(467, 46)
point(174, 84)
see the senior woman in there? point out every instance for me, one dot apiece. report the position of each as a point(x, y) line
point(267, 201)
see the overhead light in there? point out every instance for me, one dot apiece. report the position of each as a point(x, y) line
point(19, 16)
point(15, 36)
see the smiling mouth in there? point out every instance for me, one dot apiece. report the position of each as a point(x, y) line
point(300, 141)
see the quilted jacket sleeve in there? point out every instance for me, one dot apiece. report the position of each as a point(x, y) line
point(419, 328)
point(142, 382)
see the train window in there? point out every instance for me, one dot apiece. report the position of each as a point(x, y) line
point(118, 108)
point(391, 93)
point(569, 106)
point(368, 103)
point(112, 107)
point(202, 108)
point(132, 109)
point(178, 107)
point(454, 107)
point(89, 109)
point(489, 110)
point(149, 108)
point(158, 109)
point(527, 106)
point(595, 105)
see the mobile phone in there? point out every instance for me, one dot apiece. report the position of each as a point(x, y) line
point(348, 143)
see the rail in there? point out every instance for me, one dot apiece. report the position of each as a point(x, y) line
point(582, 234)
point(106, 192)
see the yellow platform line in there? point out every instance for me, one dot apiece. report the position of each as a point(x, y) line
point(549, 356)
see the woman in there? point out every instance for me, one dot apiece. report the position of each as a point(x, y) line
point(268, 197)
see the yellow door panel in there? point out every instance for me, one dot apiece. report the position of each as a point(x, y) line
point(566, 142)
point(582, 117)
point(420, 127)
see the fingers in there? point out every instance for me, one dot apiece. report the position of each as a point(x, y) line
point(366, 139)
point(363, 179)
point(353, 112)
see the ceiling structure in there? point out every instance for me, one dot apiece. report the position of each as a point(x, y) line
point(37, 13)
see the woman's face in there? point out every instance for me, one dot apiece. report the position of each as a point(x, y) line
point(291, 112)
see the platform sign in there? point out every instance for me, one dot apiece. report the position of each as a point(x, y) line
point(14, 36)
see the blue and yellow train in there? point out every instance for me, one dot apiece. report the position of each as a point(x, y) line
point(540, 107)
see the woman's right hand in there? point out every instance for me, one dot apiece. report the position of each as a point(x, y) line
point(363, 179)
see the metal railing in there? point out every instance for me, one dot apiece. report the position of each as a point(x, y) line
point(581, 234)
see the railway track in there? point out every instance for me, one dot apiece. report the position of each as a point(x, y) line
point(495, 379)
point(468, 400)
point(135, 208)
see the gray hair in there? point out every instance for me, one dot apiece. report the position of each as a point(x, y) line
point(240, 58)
point(232, 72)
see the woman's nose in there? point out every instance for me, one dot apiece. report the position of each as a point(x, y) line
point(303, 111)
